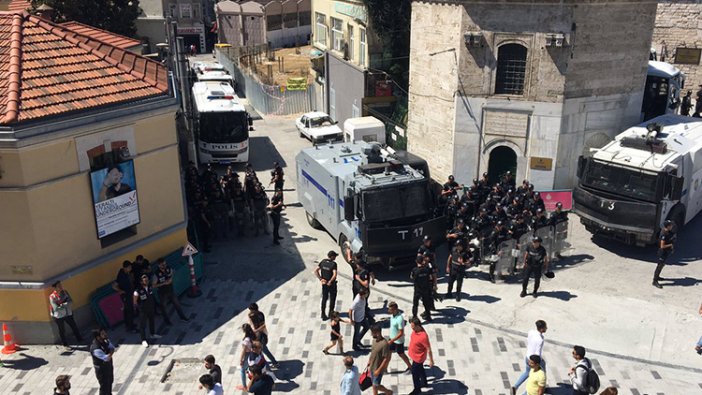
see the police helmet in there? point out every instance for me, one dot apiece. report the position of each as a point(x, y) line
point(450, 177)
point(539, 210)
point(475, 181)
point(559, 205)
point(498, 205)
point(668, 223)
point(427, 238)
point(427, 254)
point(459, 221)
point(485, 174)
point(525, 182)
point(499, 223)
point(537, 194)
point(536, 239)
point(508, 173)
point(531, 187)
point(483, 210)
point(510, 191)
point(332, 254)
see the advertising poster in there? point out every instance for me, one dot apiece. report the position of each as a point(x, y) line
point(114, 198)
point(550, 199)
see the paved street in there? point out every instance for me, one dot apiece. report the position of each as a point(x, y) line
point(640, 338)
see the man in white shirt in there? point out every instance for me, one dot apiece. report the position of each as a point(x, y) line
point(535, 346)
point(357, 314)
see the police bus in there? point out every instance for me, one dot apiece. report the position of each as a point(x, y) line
point(209, 71)
point(221, 124)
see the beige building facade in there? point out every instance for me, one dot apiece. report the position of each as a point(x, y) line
point(526, 86)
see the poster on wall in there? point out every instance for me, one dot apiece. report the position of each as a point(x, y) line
point(114, 198)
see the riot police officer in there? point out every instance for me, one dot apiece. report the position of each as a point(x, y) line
point(456, 266)
point(535, 260)
point(558, 215)
point(666, 242)
point(536, 203)
point(498, 235)
point(240, 204)
point(276, 207)
point(326, 273)
point(427, 246)
point(423, 284)
point(277, 176)
point(457, 234)
point(540, 220)
point(260, 201)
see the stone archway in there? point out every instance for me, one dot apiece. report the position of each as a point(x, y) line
point(502, 159)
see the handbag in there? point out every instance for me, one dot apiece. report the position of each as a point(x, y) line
point(365, 380)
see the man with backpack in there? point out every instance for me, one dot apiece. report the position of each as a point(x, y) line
point(582, 376)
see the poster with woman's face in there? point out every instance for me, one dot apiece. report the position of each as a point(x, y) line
point(112, 181)
point(114, 198)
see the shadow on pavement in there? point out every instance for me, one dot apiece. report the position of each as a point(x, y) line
point(449, 315)
point(290, 369)
point(449, 387)
point(489, 299)
point(562, 295)
point(27, 362)
point(571, 260)
point(680, 282)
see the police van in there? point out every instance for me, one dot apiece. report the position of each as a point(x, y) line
point(649, 173)
point(221, 124)
point(368, 200)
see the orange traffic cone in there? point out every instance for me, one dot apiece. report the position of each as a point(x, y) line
point(10, 346)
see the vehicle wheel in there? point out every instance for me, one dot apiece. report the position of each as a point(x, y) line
point(301, 135)
point(312, 221)
point(345, 247)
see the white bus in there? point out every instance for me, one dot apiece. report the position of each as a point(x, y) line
point(209, 71)
point(221, 124)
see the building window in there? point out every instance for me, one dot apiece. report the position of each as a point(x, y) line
point(511, 69)
point(352, 43)
point(173, 9)
point(186, 11)
point(362, 47)
point(320, 32)
point(337, 34)
point(197, 11)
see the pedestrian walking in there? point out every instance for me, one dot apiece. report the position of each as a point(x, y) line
point(666, 242)
point(686, 104)
point(350, 380)
point(163, 283)
point(326, 274)
point(246, 348)
point(63, 385)
point(535, 346)
point(101, 350)
point(363, 277)
point(535, 261)
point(146, 302)
point(257, 320)
point(423, 284)
point(336, 338)
point(60, 302)
point(419, 349)
point(214, 370)
point(256, 359)
point(208, 384)
point(275, 208)
point(456, 265)
point(357, 315)
point(124, 286)
point(397, 333)
point(536, 382)
point(578, 374)
point(261, 384)
point(379, 360)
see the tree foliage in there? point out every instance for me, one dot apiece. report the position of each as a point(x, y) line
point(390, 20)
point(116, 16)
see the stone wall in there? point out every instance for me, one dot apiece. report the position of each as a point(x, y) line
point(679, 24)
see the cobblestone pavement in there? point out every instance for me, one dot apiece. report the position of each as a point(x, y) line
point(639, 338)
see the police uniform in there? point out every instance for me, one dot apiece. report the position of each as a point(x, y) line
point(423, 284)
point(239, 201)
point(166, 293)
point(498, 236)
point(535, 258)
point(278, 180)
point(260, 201)
point(327, 267)
point(275, 216)
point(147, 309)
point(104, 369)
point(666, 241)
point(459, 259)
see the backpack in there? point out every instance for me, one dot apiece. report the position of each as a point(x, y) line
point(592, 380)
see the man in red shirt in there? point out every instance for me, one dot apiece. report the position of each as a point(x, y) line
point(419, 347)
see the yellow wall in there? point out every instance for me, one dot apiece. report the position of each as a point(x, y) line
point(47, 220)
point(33, 305)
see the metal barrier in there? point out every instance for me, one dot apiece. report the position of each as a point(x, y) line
point(266, 99)
point(505, 260)
point(560, 234)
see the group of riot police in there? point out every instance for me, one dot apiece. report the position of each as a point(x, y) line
point(488, 223)
point(218, 205)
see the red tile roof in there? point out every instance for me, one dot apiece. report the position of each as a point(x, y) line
point(18, 5)
point(115, 39)
point(47, 69)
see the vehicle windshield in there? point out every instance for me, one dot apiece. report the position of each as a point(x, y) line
point(390, 203)
point(620, 181)
point(321, 121)
point(223, 127)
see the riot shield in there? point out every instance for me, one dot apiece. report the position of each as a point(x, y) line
point(560, 234)
point(505, 260)
point(523, 243)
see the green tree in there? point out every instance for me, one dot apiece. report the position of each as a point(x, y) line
point(390, 20)
point(116, 16)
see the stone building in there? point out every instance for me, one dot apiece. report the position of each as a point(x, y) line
point(677, 38)
point(525, 86)
point(72, 108)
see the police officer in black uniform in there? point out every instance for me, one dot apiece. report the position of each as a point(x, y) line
point(146, 302)
point(499, 235)
point(275, 208)
point(240, 204)
point(456, 266)
point(326, 273)
point(163, 282)
point(277, 176)
point(558, 215)
point(124, 285)
point(426, 246)
point(535, 260)
point(540, 220)
point(456, 234)
point(101, 350)
point(423, 284)
point(666, 242)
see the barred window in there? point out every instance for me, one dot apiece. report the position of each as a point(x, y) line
point(511, 69)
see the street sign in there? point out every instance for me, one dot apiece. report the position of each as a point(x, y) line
point(189, 250)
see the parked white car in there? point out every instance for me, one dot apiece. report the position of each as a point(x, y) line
point(318, 127)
